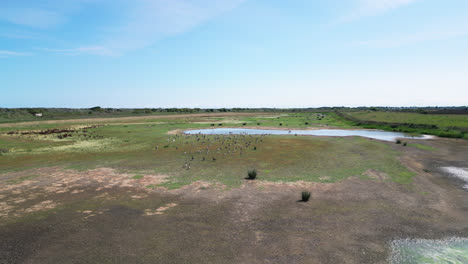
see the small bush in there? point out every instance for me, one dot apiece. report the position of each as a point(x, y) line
point(306, 123)
point(404, 144)
point(398, 141)
point(212, 124)
point(255, 148)
point(137, 177)
point(305, 196)
point(244, 124)
point(280, 124)
point(258, 124)
point(252, 174)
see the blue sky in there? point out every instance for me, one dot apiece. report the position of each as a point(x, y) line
point(233, 53)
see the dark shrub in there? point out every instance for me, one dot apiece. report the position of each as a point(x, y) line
point(404, 144)
point(258, 124)
point(252, 174)
point(212, 124)
point(244, 124)
point(305, 196)
point(255, 148)
point(398, 141)
point(280, 124)
point(306, 123)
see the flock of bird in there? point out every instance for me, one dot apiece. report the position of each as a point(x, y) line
point(199, 147)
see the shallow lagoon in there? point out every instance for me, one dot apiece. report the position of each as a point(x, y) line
point(451, 251)
point(375, 134)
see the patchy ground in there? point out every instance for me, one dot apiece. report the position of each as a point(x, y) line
point(106, 216)
point(152, 197)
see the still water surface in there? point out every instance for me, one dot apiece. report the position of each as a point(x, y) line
point(375, 134)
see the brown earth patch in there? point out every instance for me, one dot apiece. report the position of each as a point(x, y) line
point(120, 119)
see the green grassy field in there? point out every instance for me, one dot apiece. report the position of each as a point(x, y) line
point(442, 121)
point(146, 146)
point(446, 125)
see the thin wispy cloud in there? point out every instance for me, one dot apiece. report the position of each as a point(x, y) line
point(9, 53)
point(134, 24)
point(366, 8)
point(96, 50)
point(32, 17)
point(149, 21)
point(411, 39)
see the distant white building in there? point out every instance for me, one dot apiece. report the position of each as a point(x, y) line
point(38, 114)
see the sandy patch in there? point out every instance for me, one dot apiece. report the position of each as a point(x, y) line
point(160, 210)
point(56, 181)
point(45, 205)
point(375, 174)
point(120, 119)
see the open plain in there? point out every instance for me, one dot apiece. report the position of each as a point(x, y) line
point(139, 190)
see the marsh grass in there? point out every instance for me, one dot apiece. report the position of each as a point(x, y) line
point(305, 196)
point(252, 174)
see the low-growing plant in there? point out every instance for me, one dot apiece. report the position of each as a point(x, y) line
point(137, 177)
point(255, 148)
point(398, 141)
point(404, 144)
point(258, 124)
point(252, 174)
point(244, 124)
point(305, 196)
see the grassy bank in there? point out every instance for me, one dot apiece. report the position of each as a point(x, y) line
point(451, 126)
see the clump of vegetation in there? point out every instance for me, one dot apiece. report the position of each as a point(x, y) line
point(280, 124)
point(305, 196)
point(212, 124)
point(398, 141)
point(220, 124)
point(404, 144)
point(306, 123)
point(255, 147)
point(252, 174)
point(3, 150)
point(244, 124)
point(258, 124)
point(137, 177)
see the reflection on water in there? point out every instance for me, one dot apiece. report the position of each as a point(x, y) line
point(451, 250)
point(375, 134)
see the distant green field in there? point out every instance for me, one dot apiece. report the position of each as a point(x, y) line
point(146, 146)
point(446, 125)
point(413, 118)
